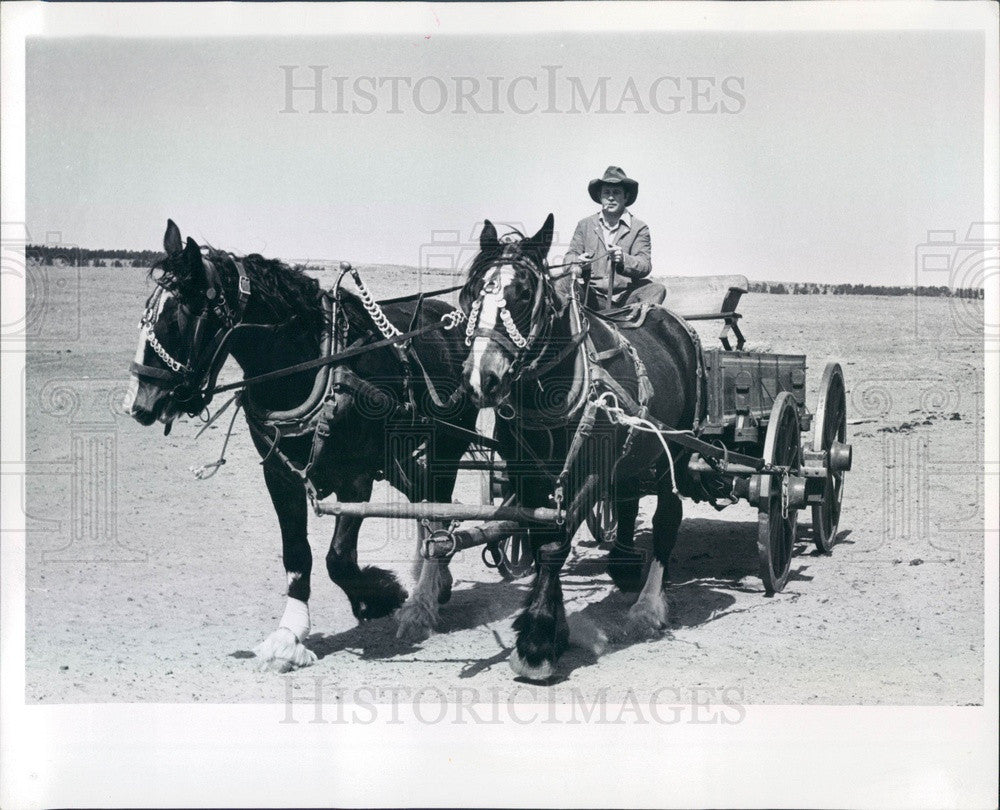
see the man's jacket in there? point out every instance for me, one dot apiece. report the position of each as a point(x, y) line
point(634, 241)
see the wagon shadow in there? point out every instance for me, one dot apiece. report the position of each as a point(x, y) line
point(469, 608)
point(713, 561)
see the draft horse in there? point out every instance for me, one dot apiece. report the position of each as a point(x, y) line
point(209, 305)
point(546, 365)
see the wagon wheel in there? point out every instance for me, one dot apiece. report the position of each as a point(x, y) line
point(831, 427)
point(602, 523)
point(775, 531)
point(516, 559)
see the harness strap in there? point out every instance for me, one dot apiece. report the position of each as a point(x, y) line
point(402, 299)
point(533, 371)
point(504, 342)
point(309, 365)
point(152, 372)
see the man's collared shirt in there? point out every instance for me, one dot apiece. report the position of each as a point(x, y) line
point(624, 223)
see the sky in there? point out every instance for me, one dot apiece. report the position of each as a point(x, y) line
point(783, 156)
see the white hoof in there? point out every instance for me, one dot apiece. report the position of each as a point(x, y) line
point(282, 652)
point(648, 618)
point(417, 619)
point(584, 633)
point(521, 667)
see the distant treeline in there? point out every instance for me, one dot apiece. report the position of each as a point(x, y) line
point(810, 288)
point(70, 256)
point(85, 257)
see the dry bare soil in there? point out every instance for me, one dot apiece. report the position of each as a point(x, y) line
point(144, 584)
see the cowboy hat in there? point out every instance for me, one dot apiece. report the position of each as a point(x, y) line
point(614, 175)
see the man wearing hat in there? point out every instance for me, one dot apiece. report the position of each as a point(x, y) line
point(615, 246)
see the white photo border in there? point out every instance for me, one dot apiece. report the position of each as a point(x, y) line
point(184, 755)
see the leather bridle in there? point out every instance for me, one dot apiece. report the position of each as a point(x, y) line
point(189, 382)
point(517, 346)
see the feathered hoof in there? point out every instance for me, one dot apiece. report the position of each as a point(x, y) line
point(541, 639)
point(378, 593)
point(626, 567)
point(647, 618)
point(283, 652)
point(417, 620)
point(542, 672)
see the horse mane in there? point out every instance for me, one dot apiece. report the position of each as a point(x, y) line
point(283, 292)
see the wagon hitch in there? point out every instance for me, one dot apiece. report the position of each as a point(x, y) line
point(443, 543)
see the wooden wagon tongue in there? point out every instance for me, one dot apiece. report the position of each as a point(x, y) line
point(437, 511)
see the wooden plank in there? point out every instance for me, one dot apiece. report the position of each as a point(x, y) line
point(690, 295)
point(762, 375)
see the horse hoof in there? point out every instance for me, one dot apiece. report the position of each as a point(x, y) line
point(647, 619)
point(378, 594)
point(283, 652)
point(417, 621)
point(543, 672)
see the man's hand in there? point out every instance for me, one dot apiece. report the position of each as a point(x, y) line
point(585, 259)
point(616, 254)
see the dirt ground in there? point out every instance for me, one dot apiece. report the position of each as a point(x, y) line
point(144, 584)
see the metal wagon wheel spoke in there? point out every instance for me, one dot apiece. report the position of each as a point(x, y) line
point(602, 522)
point(829, 434)
point(516, 559)
point(776, 520)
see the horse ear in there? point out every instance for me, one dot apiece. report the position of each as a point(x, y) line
point(542, 240)
point(172, 238)
point(192, 257)
point(488, 238)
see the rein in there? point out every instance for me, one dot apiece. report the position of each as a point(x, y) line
point(448, 321)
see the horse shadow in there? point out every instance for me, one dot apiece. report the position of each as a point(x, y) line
point(712, 562)
point(469, 607)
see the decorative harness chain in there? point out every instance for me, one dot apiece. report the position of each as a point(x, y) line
point(382, 323)
point(146, 326)
point(493, 289)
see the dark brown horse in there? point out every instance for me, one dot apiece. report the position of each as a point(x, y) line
point(542, 362)
point(209, 305)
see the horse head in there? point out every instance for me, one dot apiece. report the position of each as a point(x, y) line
point(181, 334)
point(509, 299)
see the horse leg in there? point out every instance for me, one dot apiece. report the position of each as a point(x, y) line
point(373, 592)
point(648, 616)
point(624, 562)
point(283, 650)
point(419, 617)
point(542, 630)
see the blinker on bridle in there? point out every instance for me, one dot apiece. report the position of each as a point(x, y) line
point(190, 381)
